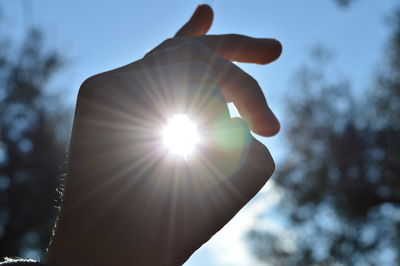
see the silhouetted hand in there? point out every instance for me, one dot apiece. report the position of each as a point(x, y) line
point(127, 199)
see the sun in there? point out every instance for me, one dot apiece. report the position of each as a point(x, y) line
point(180, 135)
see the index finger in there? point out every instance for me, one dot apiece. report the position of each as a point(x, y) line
point(237, 86)
point(234, 47)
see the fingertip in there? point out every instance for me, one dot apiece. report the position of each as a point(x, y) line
point(205, 9)
point(266, 129)
point(278, 49)
point(272, 52)
point(205, 15)
point(199, 23)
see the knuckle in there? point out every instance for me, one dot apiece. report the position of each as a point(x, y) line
point(165, 44)
point(88, 86)
point(85, 86)
point(250, 80)
point(244, 80)
point(233, 35)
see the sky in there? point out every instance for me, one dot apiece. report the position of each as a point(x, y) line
point(95, 36)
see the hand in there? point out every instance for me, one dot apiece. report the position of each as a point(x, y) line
point(127, 201)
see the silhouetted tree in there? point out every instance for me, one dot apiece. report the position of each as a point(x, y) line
point(31, 152)
point(341, 179)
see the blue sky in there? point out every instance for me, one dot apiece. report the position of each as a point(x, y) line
point(96, 36)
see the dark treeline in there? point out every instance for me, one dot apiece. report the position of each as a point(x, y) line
point(31, 152)
point(341, 180)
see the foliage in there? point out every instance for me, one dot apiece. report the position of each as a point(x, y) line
point(31, 152)
point(341, 181)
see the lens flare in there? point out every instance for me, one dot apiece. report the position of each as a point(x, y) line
point(180, 135)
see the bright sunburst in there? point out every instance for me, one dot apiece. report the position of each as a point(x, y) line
point(180, 135)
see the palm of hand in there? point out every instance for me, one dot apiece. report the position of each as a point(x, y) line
point(159, 205)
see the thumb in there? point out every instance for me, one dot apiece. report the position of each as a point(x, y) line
point(198, 24)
